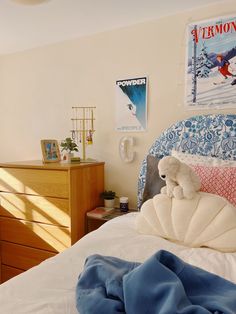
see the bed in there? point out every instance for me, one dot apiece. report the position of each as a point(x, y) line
point(49, 288)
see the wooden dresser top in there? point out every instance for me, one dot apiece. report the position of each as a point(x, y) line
point(38, 164)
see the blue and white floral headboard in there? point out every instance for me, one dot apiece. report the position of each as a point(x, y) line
point(207, 135)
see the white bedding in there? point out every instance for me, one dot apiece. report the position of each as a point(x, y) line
point(49, 288)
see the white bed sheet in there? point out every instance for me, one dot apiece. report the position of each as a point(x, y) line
point(49, 288)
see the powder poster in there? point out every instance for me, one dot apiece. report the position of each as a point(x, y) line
point(211, 64)
point(131, 104)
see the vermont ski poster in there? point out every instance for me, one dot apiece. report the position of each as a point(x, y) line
point(211, 64)
point(131, 104)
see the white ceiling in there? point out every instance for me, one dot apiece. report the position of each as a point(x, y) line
point(27, 26)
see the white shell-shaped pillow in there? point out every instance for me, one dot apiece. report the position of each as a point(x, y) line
point(207, 220)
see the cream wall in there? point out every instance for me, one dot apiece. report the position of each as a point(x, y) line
point(39, 87)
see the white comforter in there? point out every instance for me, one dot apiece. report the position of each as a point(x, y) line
point(50, 287)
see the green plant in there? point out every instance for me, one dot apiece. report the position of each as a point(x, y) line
point(69, 145)
point(108, 195)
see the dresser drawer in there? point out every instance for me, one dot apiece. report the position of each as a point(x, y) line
point(8, 272)
point(36, 235)
point(35, 182)
point(22, 257)
point(35, 208)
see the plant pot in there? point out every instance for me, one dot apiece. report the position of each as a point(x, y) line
point(68, 157)
point(109, 203)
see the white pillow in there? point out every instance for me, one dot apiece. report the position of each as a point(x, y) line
point(207, 220)
point(202, 160)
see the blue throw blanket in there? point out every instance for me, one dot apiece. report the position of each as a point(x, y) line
point(164, 284)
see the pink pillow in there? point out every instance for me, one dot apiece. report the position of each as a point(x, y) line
point(218, 180)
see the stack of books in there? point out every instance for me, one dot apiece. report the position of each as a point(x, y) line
point(75, 159)
point(100, 212)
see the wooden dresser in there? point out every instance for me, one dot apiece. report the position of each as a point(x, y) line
point(42, 210)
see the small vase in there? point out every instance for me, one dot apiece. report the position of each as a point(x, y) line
point(69, 156)
point(109, 203)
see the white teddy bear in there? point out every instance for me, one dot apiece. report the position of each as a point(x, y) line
point(181, 180)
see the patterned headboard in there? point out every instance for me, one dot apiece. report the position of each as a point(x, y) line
point(207, 135)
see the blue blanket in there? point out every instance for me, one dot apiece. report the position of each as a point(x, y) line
point(164, 284)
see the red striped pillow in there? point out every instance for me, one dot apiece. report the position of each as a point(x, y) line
point(218, 180)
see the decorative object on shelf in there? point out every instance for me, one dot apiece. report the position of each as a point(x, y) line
point(124, 204)
point(109, 198)
point(75, 159)
point(69, 146)
point(50, 150)
point(83, 127)
point(100, 212)
point(126, 149)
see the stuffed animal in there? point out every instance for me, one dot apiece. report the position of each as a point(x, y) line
point(181, 180)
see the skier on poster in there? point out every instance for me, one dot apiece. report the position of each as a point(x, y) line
point(211, 62)
point(223, 66)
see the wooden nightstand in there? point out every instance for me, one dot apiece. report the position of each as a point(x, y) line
point(93, 223)
point(43, 209)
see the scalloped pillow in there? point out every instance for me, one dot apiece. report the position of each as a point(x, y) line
point(193, 159)
point(218, 180)
point(207, 220)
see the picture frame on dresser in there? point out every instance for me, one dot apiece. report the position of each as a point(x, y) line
point(50, 150)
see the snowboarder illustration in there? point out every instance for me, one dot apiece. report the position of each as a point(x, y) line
point(132, 108)
point(223, 66)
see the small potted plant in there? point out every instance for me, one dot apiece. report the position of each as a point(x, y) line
point(69, 146)
point(109, 198)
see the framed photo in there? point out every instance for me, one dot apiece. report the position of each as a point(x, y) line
point(50, 150)
point(211, 64)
